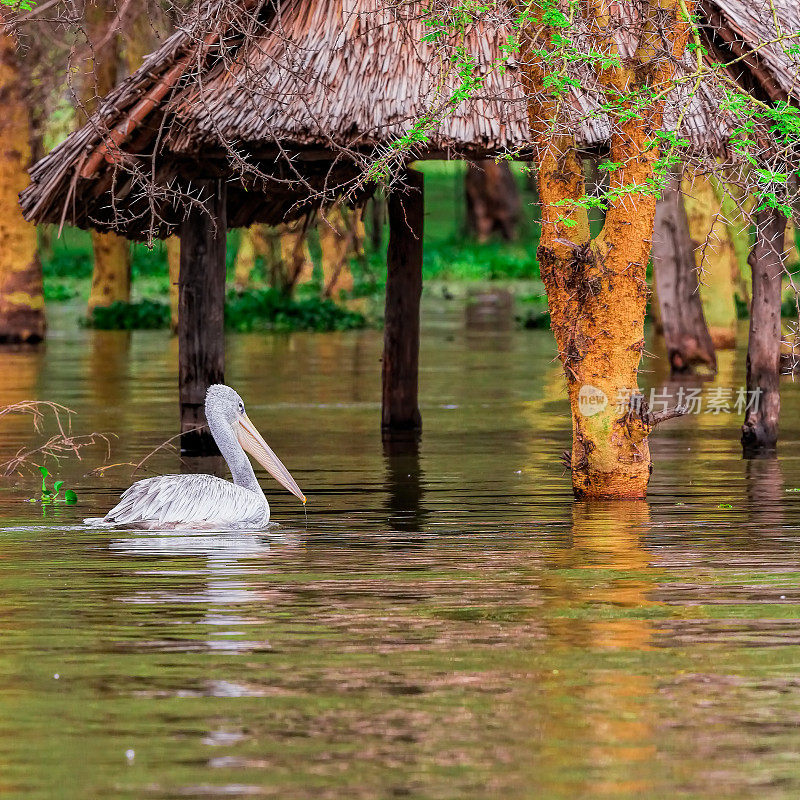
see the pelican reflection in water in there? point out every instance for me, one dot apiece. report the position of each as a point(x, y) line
point(205, 501)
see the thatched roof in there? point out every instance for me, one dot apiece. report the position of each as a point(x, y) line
point(748, 30)
point(288, 100)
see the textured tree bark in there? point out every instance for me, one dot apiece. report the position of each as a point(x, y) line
point(22, 317)
point(686, 335)
point(715, 258)
point(400, 411)
point(596, 288)
point(493, 203)
point(201, 314)
point(111, 278)
point(760, 429)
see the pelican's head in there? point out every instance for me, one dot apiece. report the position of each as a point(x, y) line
point(223, 405)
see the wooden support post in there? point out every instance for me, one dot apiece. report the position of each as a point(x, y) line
point(760, 429)
point(201, 314)
point(686, 334)
point(403, 290)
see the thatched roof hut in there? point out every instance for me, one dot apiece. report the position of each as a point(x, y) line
point(287, 101)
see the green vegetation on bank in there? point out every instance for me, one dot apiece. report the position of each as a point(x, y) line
point(250, 310)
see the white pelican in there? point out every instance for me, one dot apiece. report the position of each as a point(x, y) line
point(205, 501)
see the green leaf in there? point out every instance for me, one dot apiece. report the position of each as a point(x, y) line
point(57, 486)
point(45, 473)
point(70, 497)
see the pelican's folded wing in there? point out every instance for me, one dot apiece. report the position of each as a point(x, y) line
point(192, 500)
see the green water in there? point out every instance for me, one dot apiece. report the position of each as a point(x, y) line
point(447, 623)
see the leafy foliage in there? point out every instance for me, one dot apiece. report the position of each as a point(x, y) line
point(49, 496)
point(121, 316)
point(59, 292)
point(268, 309)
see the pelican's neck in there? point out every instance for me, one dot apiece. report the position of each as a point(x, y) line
point(237, 460)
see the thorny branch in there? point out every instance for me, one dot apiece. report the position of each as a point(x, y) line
point(59, 445)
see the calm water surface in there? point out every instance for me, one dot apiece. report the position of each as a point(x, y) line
point(447, 622)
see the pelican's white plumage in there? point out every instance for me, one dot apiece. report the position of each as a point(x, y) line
point(190, 500)
point(205, 501)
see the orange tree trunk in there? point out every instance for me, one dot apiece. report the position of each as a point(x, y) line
point(21, 300)
point(596, 288)
point(111, 279)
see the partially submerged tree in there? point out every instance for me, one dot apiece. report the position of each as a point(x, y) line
point(597, 287)
point(21, 300)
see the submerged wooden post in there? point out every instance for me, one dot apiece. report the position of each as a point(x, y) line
point(403, 290)
point(201, 313)
point(760, 429)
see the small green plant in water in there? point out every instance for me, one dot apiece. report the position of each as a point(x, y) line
point(50, 496)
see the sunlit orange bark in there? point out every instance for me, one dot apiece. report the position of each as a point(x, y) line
point(596, 288)
point(21, 299)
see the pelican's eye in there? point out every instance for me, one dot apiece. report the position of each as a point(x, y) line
point(241, 407)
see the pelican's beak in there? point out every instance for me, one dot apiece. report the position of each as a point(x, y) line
point(250, 439)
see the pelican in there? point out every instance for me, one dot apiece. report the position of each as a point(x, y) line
point(204, 501)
